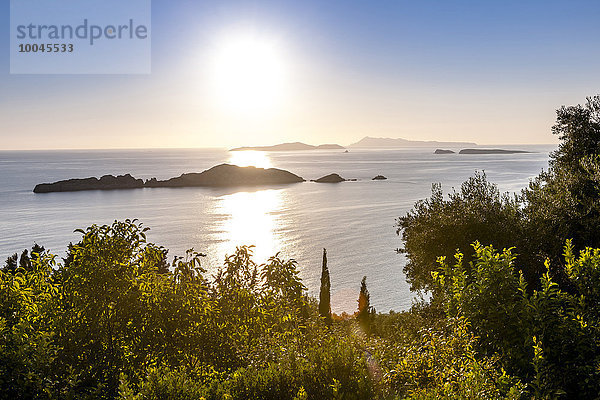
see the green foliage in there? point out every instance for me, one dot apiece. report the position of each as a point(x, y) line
point(27, 350)
point(550, 338)
point(491, 298)
point(25, 260)
point(562, 203)
point(566, 327)
point(578, 128)
point(163, 383)
point(444, 364)
point(117, 320)
point(438, 227)
point(322, 369)
point(257, 305)
point(120, 314)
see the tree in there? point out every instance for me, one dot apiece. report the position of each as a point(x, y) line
point(116, 310)
point(283, 295)
point(563, 202)
point(578, 128)
point(325, 292)
point(364, 307)
point(438, 226)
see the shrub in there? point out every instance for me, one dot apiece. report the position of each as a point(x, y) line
point(438, 227)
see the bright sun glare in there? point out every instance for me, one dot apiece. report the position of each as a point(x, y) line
point(250, 219)
point(250, 158)
point(248, 75)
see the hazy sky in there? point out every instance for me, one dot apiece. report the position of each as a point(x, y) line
point(334, 71)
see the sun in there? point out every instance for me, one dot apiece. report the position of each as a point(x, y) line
point(248, 75)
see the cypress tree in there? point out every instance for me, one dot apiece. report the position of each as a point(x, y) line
point(364, 307)
point(324, 294)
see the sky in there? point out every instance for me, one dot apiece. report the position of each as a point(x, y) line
point(242, 73)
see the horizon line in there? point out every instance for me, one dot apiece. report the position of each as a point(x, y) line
point(229, 148)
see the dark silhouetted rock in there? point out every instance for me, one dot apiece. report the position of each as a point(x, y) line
point(231, 175)
point(331, 178)
point(107, 182)
point(442, 151)
point(379, 178)
point(491, 151)
point(220, 175)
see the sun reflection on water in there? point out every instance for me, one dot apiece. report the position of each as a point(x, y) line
point(249, 218)
point(250, 158)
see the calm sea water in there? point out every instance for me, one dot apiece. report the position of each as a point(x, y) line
point(353, 220)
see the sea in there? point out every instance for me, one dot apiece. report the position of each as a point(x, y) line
point(355, 221)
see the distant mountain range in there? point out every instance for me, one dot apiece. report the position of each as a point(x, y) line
point(291, 147)
point(374, 143)
point(366, 142)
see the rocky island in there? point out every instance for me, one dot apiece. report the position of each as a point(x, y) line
point(107, 182)
point(331, 178)
point(442, 151)
point(296, 146)
point(230, 175)
point(219, 176)
point(491, 151)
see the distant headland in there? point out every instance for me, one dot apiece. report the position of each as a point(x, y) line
point(295, 146)
point(480, 151)
point(491, 151)
point(382, 143)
